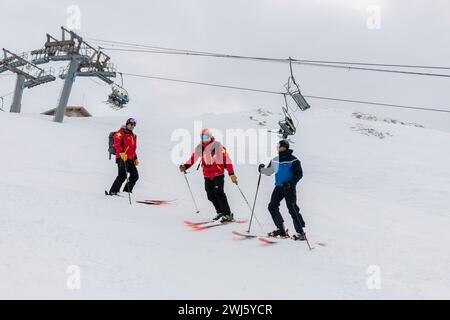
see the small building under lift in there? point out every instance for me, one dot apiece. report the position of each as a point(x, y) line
point(71, 111)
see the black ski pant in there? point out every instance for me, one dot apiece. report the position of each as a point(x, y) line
point(290, 196)
point(216, 194)
point(122, 176)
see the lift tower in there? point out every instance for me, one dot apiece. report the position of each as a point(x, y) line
point(84, 61)
point(29, 75)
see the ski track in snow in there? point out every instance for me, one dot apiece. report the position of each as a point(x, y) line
point(371, 201)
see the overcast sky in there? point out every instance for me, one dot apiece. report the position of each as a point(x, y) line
point(411, 32)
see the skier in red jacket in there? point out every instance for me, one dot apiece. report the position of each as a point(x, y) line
point(125, 143)
point(215, 160)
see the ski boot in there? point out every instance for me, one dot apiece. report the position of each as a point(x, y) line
point(218, 216)
point(279, 233)
point(299, 236)
point(227, 218)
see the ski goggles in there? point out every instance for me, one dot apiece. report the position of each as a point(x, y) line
point(132, 122)
point(205, 136)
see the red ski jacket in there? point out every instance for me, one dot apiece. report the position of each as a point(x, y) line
point(215, 159)
point(125, 141)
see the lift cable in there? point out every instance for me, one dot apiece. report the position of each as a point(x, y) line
point(295, 61)
point(127, 44)
point(283, 93)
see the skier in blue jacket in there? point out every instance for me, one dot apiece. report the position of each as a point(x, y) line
point(288, 172)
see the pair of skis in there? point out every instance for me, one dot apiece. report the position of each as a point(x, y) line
point(208, 224)
point(152, 202)
point(265, 239)
point(155, 202)
point(262, 238)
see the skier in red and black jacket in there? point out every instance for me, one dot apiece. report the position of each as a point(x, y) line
point(214, 161)
point(125, 144)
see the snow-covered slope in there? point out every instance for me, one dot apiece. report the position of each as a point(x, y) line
point(366, 201)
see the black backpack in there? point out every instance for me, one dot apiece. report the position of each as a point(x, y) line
point(111, 149)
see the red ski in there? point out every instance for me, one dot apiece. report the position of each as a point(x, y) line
point(244, 235)
point(190, 223)
point(215, 224)
point(155, 202)
point(270, 240)
point(274, 240)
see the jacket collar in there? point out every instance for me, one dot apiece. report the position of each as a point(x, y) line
point(126, 131)
point(285, 154)
point(204, 145)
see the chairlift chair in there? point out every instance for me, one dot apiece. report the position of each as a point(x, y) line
point(293, 89)
point(300, 100)
point(118, 98)
point(287, 126)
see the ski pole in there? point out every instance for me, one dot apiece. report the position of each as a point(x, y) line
point(190, 190)
point(128, 182)
point(248, 204)
point(308, 243)
point(254, 203)
point(306, 238)
point(298, 220)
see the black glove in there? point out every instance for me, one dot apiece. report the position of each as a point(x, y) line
point(287, 185)
point(260, 167)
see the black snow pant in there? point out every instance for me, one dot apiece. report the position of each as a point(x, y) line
point(290, 195)
point(122, 176)
point(216, 194)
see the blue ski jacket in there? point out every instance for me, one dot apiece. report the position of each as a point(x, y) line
point(287, 168)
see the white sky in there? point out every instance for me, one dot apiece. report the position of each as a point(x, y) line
point(412, 32)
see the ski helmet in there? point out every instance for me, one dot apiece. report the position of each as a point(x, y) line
point(131, 121)
point(205, 134)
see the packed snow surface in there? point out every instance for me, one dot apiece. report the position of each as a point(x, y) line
point(375, 197)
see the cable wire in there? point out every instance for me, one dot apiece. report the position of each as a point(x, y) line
point(378, 104)
point(201, 83)
point(296, 61)
point(283, 93)
point(187, 51)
